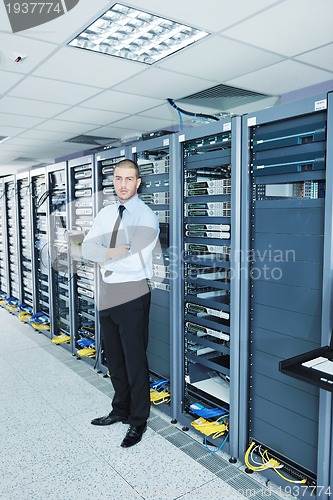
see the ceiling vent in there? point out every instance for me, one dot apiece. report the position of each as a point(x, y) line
point(225, 98)
point(93, 140)
point(24, 158)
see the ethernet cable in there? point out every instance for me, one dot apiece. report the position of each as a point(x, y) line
point(266, 463)
point(221, 445)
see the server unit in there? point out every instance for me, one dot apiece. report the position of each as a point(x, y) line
point(24, 241)
point(3, 246)
point(153, 158)
point(58, 254)
point(10, 271)
point(283, 255)
point(105, 162)
point(40, 253)
point(82, 273)
point(210, 292)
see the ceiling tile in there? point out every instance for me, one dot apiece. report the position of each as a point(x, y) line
point(322, 57)
point(29, 107)
point(115, 132)
point(219, 58)
point(95, 117)
point(73, 128)
point(167, 112)
point(288, 28)
point(19, 121)
point(10, 131)
point(142, 123)
point(209, 15)
point(8, 80)
point(118, 101)
point(281, 78)
point(46, 135)
point(35, 51)
point(53, 90)
point(71, 64)
point(161, 84)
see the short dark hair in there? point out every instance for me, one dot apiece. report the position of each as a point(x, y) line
point(129, 164)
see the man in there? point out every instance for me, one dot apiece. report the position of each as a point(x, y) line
point(121, 240)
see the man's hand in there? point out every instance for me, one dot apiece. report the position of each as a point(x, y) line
point(115, 252)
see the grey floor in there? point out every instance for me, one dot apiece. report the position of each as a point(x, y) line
point(50, 451)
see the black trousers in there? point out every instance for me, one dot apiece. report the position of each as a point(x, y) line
point(124, 331)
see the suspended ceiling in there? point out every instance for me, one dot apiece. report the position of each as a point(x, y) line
point(57, 92)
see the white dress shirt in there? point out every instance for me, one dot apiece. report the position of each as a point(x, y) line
point(138, 228)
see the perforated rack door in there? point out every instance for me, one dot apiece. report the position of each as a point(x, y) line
point(287, 169)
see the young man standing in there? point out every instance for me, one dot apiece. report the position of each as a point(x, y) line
point(121, 240)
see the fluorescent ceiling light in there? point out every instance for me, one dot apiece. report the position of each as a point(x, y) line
point(136, 35)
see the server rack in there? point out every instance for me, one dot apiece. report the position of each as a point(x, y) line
point(153, 158)
point(3, 252)
point(81, 188)
point(40, 253)
point(105, 162)
point(210, 255)
point(11, 244)
point(284, 155)
point(58, 254)
point(24, 241)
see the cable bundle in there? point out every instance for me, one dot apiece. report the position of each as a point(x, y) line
point(267, 462)
point(215, 428)
point(159, 393)
point(61, 339)
point(11, 304)
point(40, 321)
point(201, 411)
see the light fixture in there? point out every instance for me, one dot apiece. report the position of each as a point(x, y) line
point(4, 138)
point(136, 35)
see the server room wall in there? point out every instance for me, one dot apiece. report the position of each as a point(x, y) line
point(244, 206)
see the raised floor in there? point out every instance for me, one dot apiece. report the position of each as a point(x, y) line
point(50, 451)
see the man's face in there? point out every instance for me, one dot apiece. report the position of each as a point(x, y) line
point(126, 183)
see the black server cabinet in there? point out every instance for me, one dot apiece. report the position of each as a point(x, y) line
point(283, 288)
point(105, 195)
point(153, 158)
point(210, 294)
point(10, 242)
point(82, 272)
point(3, 253)
point(58, 254)
point(3, 246)
point(25, 242)
point(40, 320)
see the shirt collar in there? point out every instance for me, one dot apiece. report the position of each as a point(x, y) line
point(130, 204)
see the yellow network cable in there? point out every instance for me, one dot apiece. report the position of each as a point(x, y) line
point(11, 307)
point(24, 316)
point(86, 352)
point(61, 339)
point(267, 463)
point(215, 428)
point(302, 481)
point(159, 397)
point(38, 326)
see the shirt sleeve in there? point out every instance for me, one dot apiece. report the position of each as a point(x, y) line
point(94, 245)
point(143, 239)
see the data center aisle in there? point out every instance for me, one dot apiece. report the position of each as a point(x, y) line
point(50, 450)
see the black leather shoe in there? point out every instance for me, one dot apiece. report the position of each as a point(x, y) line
point(109, 420)
point(133, 435)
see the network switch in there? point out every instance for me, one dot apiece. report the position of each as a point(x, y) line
point(202, 331)
point(192, 308)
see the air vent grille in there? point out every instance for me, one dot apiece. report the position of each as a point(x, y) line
point(224, 97)
point(92, 140)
